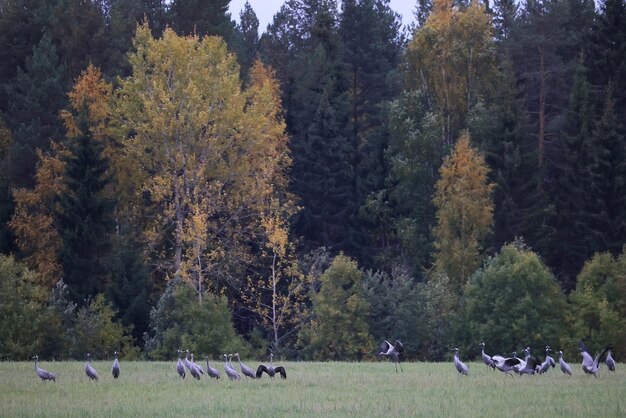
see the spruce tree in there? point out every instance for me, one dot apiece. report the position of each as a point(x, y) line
point(606, 208)
point(83, 217)
point(36, 96)
point(202, 17)
point(570, 183)
point(371, 50)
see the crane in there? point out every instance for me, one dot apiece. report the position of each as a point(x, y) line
point(247, 371)
point(89, 370)
point(44, 374)
point(115, 369)
point(270, 370)
point(458, 364)
point(392, 351)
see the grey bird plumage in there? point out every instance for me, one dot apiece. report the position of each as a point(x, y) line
point(247, 371)
point(458, 364)
point(501, 364)
point(89, 370)
point(44, 374)
point(393, 352)
point(549, 361)
point(592, 365)
point(486, 357)
point(229, 370)
point(186, 361)
point(565, 368)
point(271, 370)
point(194, 369)
point(529, 365)
point(115, 369)
point(610, 363)
point(180, 367)
point(212, 372)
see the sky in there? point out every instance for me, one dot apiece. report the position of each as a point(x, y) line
point(266, 9)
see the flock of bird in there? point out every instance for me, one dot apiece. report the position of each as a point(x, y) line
point(182, 366)
point(531, 365)
point(527, 365)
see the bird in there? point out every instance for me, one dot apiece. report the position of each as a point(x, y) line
point(247, 371)
point(610, 363)
point(460, 366)
point(196, 365)
point(592, 366)
point(214, 373)
point(193, 369)
point(270, 370)
point(529, 365)
point(548, 357)
point(486, 358)
point(115, 370)
point(549, 361)
point(186, 361)
point(44, 374)
point(392, 351)
point(230, 371)
point(180, 367)
point(565, 368)
point(89, 370)
point(501, 363)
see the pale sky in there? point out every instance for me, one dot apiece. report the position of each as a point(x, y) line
point(266, 9)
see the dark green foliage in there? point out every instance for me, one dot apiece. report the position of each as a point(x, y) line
point(179, 321)
point(130, 288)
point(393, 312)
point(606, 210)
point(248, 45)
point(414, 157)
point(339, 329)
point(125, 15)
point(79, 29)
point(22, 24)
point(514, 301)
point(36, 96)
point(598, 306)
point(605, 52)
point(24, 319)
point(323, 176)
point(96, 332)
point(371, 50)
point(83, 217)
point(501, 131)
point(202, 17)
point(571, 185)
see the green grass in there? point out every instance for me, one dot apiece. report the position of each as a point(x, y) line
point(312, 389)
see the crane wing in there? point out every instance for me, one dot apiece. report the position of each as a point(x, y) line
point(281, 370)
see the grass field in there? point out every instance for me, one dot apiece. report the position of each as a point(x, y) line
point(312, 389)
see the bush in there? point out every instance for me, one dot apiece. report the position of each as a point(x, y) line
point(179, 321)
point(25, 323)
point(514, 301)
point(599, 302)
point(393, 312)
point(338, 330)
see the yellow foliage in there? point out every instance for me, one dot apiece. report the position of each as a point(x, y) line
point(464, 212)
point(32, 221)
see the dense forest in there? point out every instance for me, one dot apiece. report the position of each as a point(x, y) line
point(173, 179)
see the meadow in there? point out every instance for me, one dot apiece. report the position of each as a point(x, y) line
point(311, 389)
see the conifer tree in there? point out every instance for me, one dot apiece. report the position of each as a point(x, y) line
point(83, 216)
point(464, 213)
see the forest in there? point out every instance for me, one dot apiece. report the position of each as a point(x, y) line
point(174, 179)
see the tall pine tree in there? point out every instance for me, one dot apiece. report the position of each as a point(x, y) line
point(83, 216)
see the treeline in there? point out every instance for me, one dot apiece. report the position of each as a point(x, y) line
point(172, 179)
